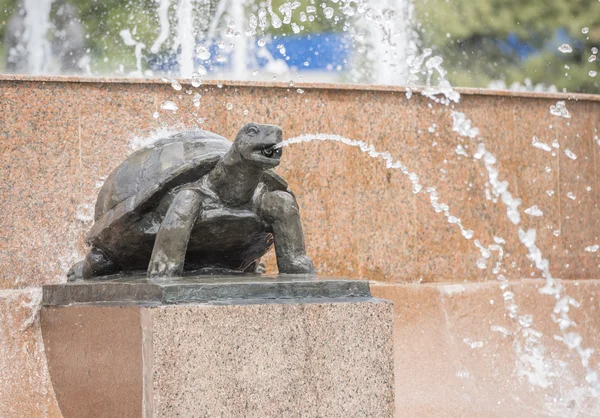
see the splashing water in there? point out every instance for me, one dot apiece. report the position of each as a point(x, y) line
point(37, 24)
point(526, 237)
point(560, 109)
point(417, 187)
point(163, 17)
point(185, 38)
point(127, 37)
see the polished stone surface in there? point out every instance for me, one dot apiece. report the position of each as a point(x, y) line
point(25, 387)
point(295, 360)
point(202, 289)
point(459, 354)
point(94, 358)
point(328, 358)
point(60, 139)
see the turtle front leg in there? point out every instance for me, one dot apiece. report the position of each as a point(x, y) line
point(170, 245)
point(281, 211)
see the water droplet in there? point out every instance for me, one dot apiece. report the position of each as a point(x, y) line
point(196, 99)
point(592, 248)
point(570, 154)
point(275, 20)
point(300, 91)
point(245, 112)
point(540, 145)
point(594, 50)
point(585, 30)
point(196, 79)
point(526, 320)
point(592, 58)
point(560, 109)
point(169, 105)
point(220, 58)
point(230, 31)
point(255, 72)
point(155, 115)
point(550, 192)
point(221, 44)
point(261, 42)
point(468, 233)
point(473, 344)
point(328, 11)
point(565, 48)
point(460, 150)
point(229, 106)
point(534, 211)
point(572, 340)
point(571, 196)
point(201, 70)
point(175, 84)
point(593, 73)
point(202, 52)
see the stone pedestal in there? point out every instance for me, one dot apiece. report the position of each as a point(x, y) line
point(219, 347)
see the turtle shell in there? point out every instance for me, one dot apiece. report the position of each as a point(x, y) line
point(145, 176)
point(137, 185)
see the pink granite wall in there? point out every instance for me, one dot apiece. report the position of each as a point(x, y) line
point(59, 138)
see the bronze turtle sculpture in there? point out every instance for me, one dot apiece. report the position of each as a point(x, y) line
point(195, 201)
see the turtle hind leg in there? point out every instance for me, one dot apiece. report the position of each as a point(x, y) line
point(95, 264)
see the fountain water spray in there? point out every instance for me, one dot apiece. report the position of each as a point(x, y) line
point(186, 39)
point(37, 24)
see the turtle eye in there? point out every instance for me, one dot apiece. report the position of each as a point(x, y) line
point(252, 130)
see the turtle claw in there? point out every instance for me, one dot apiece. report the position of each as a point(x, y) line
point(162, 269)
point(76, 272)
point(301, 264)
point(260, 268)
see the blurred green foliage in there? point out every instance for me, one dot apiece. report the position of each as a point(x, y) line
point(104, 19)
point(467, 34)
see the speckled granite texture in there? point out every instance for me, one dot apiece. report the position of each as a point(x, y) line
point(312, 359)
point(308, 360)
point(458, 353)
point(60, 139)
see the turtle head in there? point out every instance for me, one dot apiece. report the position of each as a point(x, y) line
point(255, 144)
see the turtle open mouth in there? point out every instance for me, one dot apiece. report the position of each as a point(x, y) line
point(271, 152)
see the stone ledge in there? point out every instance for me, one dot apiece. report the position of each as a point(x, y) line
point(204, 289)
point(259, 358)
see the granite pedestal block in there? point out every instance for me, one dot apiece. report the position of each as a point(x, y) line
point(234, 346)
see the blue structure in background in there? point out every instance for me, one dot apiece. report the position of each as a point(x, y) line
point(321, 51)
point(512, 45)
